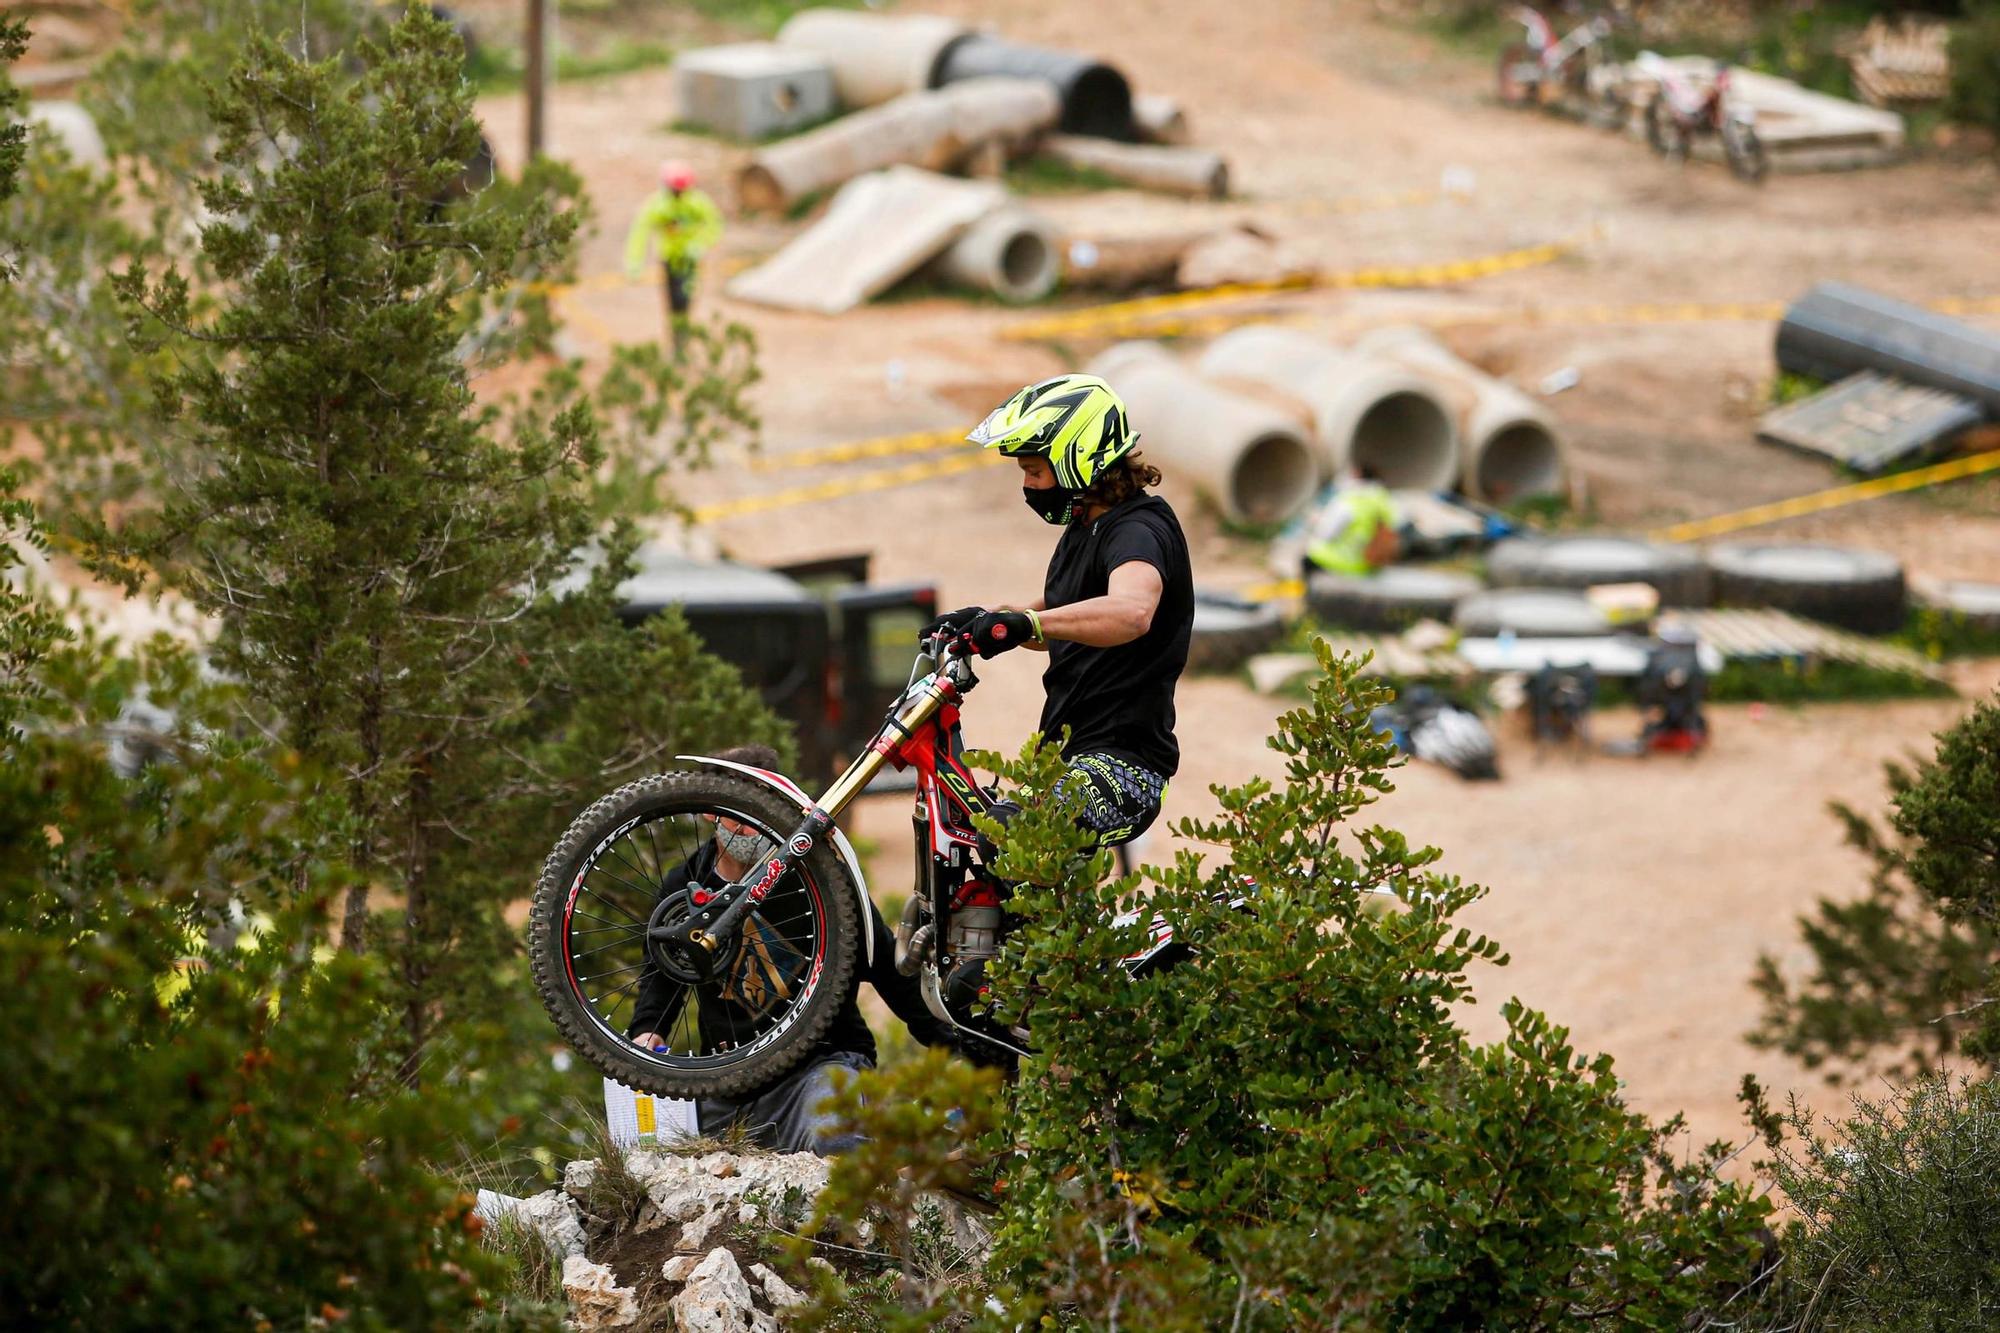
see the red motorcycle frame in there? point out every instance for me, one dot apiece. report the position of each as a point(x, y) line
point(1681, 112)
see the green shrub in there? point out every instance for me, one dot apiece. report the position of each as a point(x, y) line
point(1292, 1129)
point(205, 1127)
point(1907, 972)
point(1975, 69)
point(1897, 1210)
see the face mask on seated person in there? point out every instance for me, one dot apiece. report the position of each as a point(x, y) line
point(746, 848)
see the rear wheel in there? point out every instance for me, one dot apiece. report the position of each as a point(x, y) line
point(1518, 77)
point(765, 1003)
point(1745, 151)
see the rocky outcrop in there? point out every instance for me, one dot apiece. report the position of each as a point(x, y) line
point(671, 1243)
point(596, 1301)
point(705, 1195)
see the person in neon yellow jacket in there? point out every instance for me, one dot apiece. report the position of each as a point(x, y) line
point(685, 223)
point(1354, 532)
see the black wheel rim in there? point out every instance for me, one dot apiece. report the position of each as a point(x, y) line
point(764, 986)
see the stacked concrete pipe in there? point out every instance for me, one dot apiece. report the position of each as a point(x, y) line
point(1365, 411)
point(1251, 458)
point(875, 57)
point(1510, 448)
point(1010, 252)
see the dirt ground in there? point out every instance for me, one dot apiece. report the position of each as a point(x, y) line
point(1634, 896)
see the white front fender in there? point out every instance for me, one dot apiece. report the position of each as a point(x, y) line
point(796, 795)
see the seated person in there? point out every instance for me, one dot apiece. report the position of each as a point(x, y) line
point(1354, 531)
point(784, 1115)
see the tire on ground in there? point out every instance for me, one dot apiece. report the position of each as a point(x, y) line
point(619, 1059)
point(1977, 604)
point(1676, 572)
point(1229, 631)
point(1389, 599)
point(1857, 590)
point(1530, 613)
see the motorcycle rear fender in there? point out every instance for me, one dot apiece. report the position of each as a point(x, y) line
point(793, 793)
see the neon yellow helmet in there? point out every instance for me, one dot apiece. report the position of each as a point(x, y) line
point(1077, 422)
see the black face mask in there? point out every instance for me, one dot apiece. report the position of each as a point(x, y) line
point(1053, 503)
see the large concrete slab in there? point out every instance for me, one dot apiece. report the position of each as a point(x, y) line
point(880, 228)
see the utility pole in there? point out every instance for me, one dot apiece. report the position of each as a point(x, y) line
point(538, 75)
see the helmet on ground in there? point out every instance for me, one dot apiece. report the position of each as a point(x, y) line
point(1077, 422)
point(1459, 741)
point(676, 175)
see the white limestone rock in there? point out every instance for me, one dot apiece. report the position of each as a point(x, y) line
point(596, 1301)
point(554, 1215)
point(716, 1298)
point(778, 1293)
point(705, 1194)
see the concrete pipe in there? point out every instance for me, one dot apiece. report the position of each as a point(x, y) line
point(1095, 97)
point(1252, 459)
point(1010, 252)
point(1366, 412)
point(875, 57)
point(929, 130)
point(1510, 447)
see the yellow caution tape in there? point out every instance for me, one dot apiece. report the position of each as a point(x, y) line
point(1274, 590)
point(1121, 313)
point(1820, 501)
point(840, 487)
point(886, 446)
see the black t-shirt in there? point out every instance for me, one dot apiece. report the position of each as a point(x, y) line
point(1120, 700)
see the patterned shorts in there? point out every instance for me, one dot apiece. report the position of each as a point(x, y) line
point(1121, 799)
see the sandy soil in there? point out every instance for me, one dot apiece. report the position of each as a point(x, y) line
point(1634, 896)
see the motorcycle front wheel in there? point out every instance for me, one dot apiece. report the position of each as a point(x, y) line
point(726, 1026)
point(1518, 78)
point(1664, 130)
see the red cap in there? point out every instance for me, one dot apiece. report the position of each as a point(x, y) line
point(676, 175)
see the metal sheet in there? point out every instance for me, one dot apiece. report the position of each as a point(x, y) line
point(1871, 422)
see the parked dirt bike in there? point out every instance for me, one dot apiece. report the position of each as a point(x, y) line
point(1681, 112)
point(755, 970)
point(1542, 67)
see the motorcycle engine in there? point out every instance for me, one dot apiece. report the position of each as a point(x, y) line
point(972, 936)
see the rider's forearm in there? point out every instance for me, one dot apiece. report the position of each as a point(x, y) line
point(1099, 622)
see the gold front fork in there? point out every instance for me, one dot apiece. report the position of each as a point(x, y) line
point(869, 762)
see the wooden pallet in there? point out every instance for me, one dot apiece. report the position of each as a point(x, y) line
point(1766, 635)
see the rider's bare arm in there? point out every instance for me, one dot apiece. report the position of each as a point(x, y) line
point(1123, 614)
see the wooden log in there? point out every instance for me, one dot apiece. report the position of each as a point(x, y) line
point(1125, 263)
point(933, 130)
point(1196, 172)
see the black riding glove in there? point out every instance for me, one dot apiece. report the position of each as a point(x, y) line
point(994, 632)
point(952, 621)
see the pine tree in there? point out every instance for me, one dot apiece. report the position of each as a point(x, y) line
point(1909, 972)
point(379, 550)
point(206, 1128)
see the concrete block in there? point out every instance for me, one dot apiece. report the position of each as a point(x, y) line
point(753, 90)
